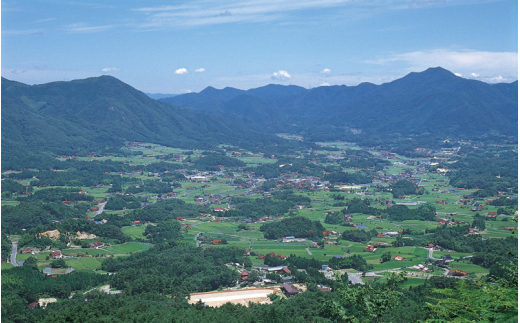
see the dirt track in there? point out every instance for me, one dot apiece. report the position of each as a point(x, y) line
point(242, 296)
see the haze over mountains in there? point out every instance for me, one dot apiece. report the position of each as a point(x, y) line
point(431, 102)
point(101, 111)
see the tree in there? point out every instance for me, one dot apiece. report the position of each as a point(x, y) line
point(59, 263)
point(386, 257)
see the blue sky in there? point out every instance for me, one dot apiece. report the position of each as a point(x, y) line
point(183, 46)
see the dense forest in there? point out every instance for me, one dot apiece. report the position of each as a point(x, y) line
point(150, 279)
point(298, 227)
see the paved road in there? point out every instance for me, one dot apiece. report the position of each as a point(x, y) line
point(355, 279)
point(196, 239)
point(308, 251)
point(13, 254)
point(101, 207)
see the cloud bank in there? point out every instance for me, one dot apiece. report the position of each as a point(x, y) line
point(281, 75)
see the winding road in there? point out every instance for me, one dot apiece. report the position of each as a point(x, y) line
point(13, 255)
point(101, 207)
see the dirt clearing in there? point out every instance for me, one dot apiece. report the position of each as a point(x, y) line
point(242, 296)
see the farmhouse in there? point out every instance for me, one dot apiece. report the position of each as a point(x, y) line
point(56, 254)
point(370, 248)
point(289, 289)
point(457, 273)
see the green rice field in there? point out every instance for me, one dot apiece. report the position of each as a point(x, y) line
point(128, 247)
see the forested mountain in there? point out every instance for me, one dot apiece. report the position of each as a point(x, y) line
point(94, 113)
point(433, 102)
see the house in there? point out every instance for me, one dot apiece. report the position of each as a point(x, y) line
point(289, 289)
point(325, 289)
point(447, 258)
point(56, 254)
point(286, 270)
point(244, 275)
point(279, 269)
point(287, 279)
point(457, 273)
point(92, 245)
point(215, 242)
point(99, 244)
point(370, 248)
point(399, 258)
point(28, 250)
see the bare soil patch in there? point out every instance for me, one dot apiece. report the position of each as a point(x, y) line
point(241, 296)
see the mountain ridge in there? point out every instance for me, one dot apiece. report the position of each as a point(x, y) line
point(103, 111)
point(445, 101)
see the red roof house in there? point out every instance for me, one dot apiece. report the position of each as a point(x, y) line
point(56, 254)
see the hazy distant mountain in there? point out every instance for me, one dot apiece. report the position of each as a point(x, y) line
point(157, 96)
point(212, 100)
point(432, 102)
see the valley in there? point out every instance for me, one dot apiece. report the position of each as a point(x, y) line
point(163, 206)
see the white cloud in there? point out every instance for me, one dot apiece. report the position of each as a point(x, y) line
point(478, 64)
point(200, 70)
point(325, 84)
point(326, 71)
point(281, 75)
point(496, 79)
point(110, 69)
point(198, 13)
point(83, 28)
point(458, 74)
point(22, 32)
point(181, 71)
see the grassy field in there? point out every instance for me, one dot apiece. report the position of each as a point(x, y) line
point(6, 266)
point(286, 249)
point(87, 251)
point(134, 231)
point(127, 248)
point(12, 203)
point(85, 263)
